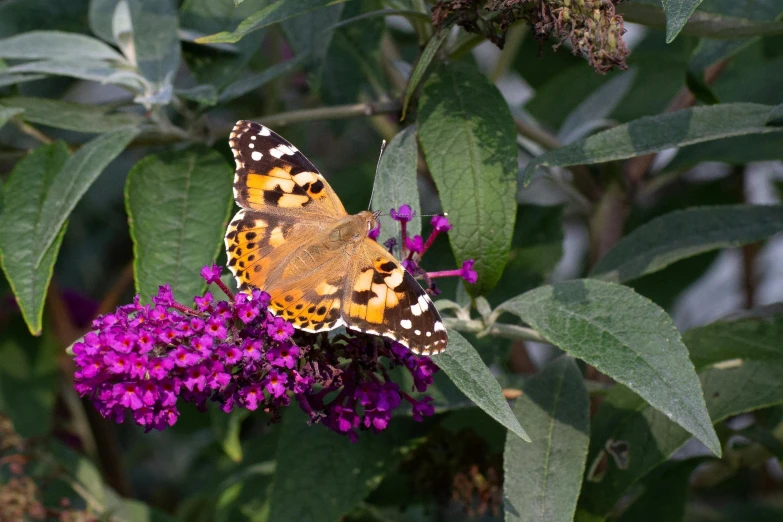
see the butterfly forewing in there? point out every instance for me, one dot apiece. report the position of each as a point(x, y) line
point(272, 175)
point(278, 243)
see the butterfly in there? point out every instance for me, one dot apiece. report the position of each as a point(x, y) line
point(294, 240)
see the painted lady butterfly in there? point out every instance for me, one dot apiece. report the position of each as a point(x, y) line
point(294, 239)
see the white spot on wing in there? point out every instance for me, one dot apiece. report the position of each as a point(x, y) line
point(439, 327)
point(417, 332)
point(406, 323)
point(256, 155)
point(416, 309)
point(264, 131)
point(253, 138)
point(424, 301)
point(251, 145)
point(276, 153)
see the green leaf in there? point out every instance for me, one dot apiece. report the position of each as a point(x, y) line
point(471, 152)
point(6, 113)
point(652, 438)
point(677, 14)
point(156, 47)
point(335, 473)
point(53, 45)
point(625, 336)
point(754, 335)
point(396, 183)
point(735, 151)
point(71, 116)
point(178, 206)
point(271, 14)
point(29, 380)
point(686, 233)
point(22, 231)
point(85, 69)
point(701, 23)
point(73, 180)
point(14, 79)
point(665, 493)
point(100, 16)
point(422, 63)
point(464, 366)
point(542, 480)
point(656, 133)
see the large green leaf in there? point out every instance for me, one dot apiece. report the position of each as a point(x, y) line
point(335, 473)
point(656, 133)
point(71, 116)
point(464, 366)
point(685, 233)
point(396, 182)
point(677, 14)
point(178, 206)
point(651, 437)
point(542, 479)
point(50, 45)
point(271, 14)
point(21, 231)
point(626, 337)
point(73, 180)
point(472, 154)
point(84, 69)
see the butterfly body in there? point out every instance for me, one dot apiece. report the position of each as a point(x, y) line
point(294, 240)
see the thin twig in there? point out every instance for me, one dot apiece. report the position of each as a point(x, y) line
point(331, 113)
point(33, 132)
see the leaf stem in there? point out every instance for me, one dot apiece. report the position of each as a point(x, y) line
point(509, 331)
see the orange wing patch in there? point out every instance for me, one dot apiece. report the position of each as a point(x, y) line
point(272, 173)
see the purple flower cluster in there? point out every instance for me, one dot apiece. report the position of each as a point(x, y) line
point(143, 358)
point(413, 248)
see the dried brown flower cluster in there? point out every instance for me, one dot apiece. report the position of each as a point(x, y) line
point(592, 27)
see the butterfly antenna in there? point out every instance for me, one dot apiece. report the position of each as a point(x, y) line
point(375, 181)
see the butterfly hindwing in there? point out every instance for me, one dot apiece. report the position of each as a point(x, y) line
point(257, 243)
point(272, 175)
point(384, 299)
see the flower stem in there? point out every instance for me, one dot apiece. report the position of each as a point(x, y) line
point(445, 273)
point(226, 290)
point(184, 309)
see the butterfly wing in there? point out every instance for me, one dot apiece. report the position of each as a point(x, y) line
point(384, 299)
point(272, 176)
point(285, 203)
point(257, 243)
